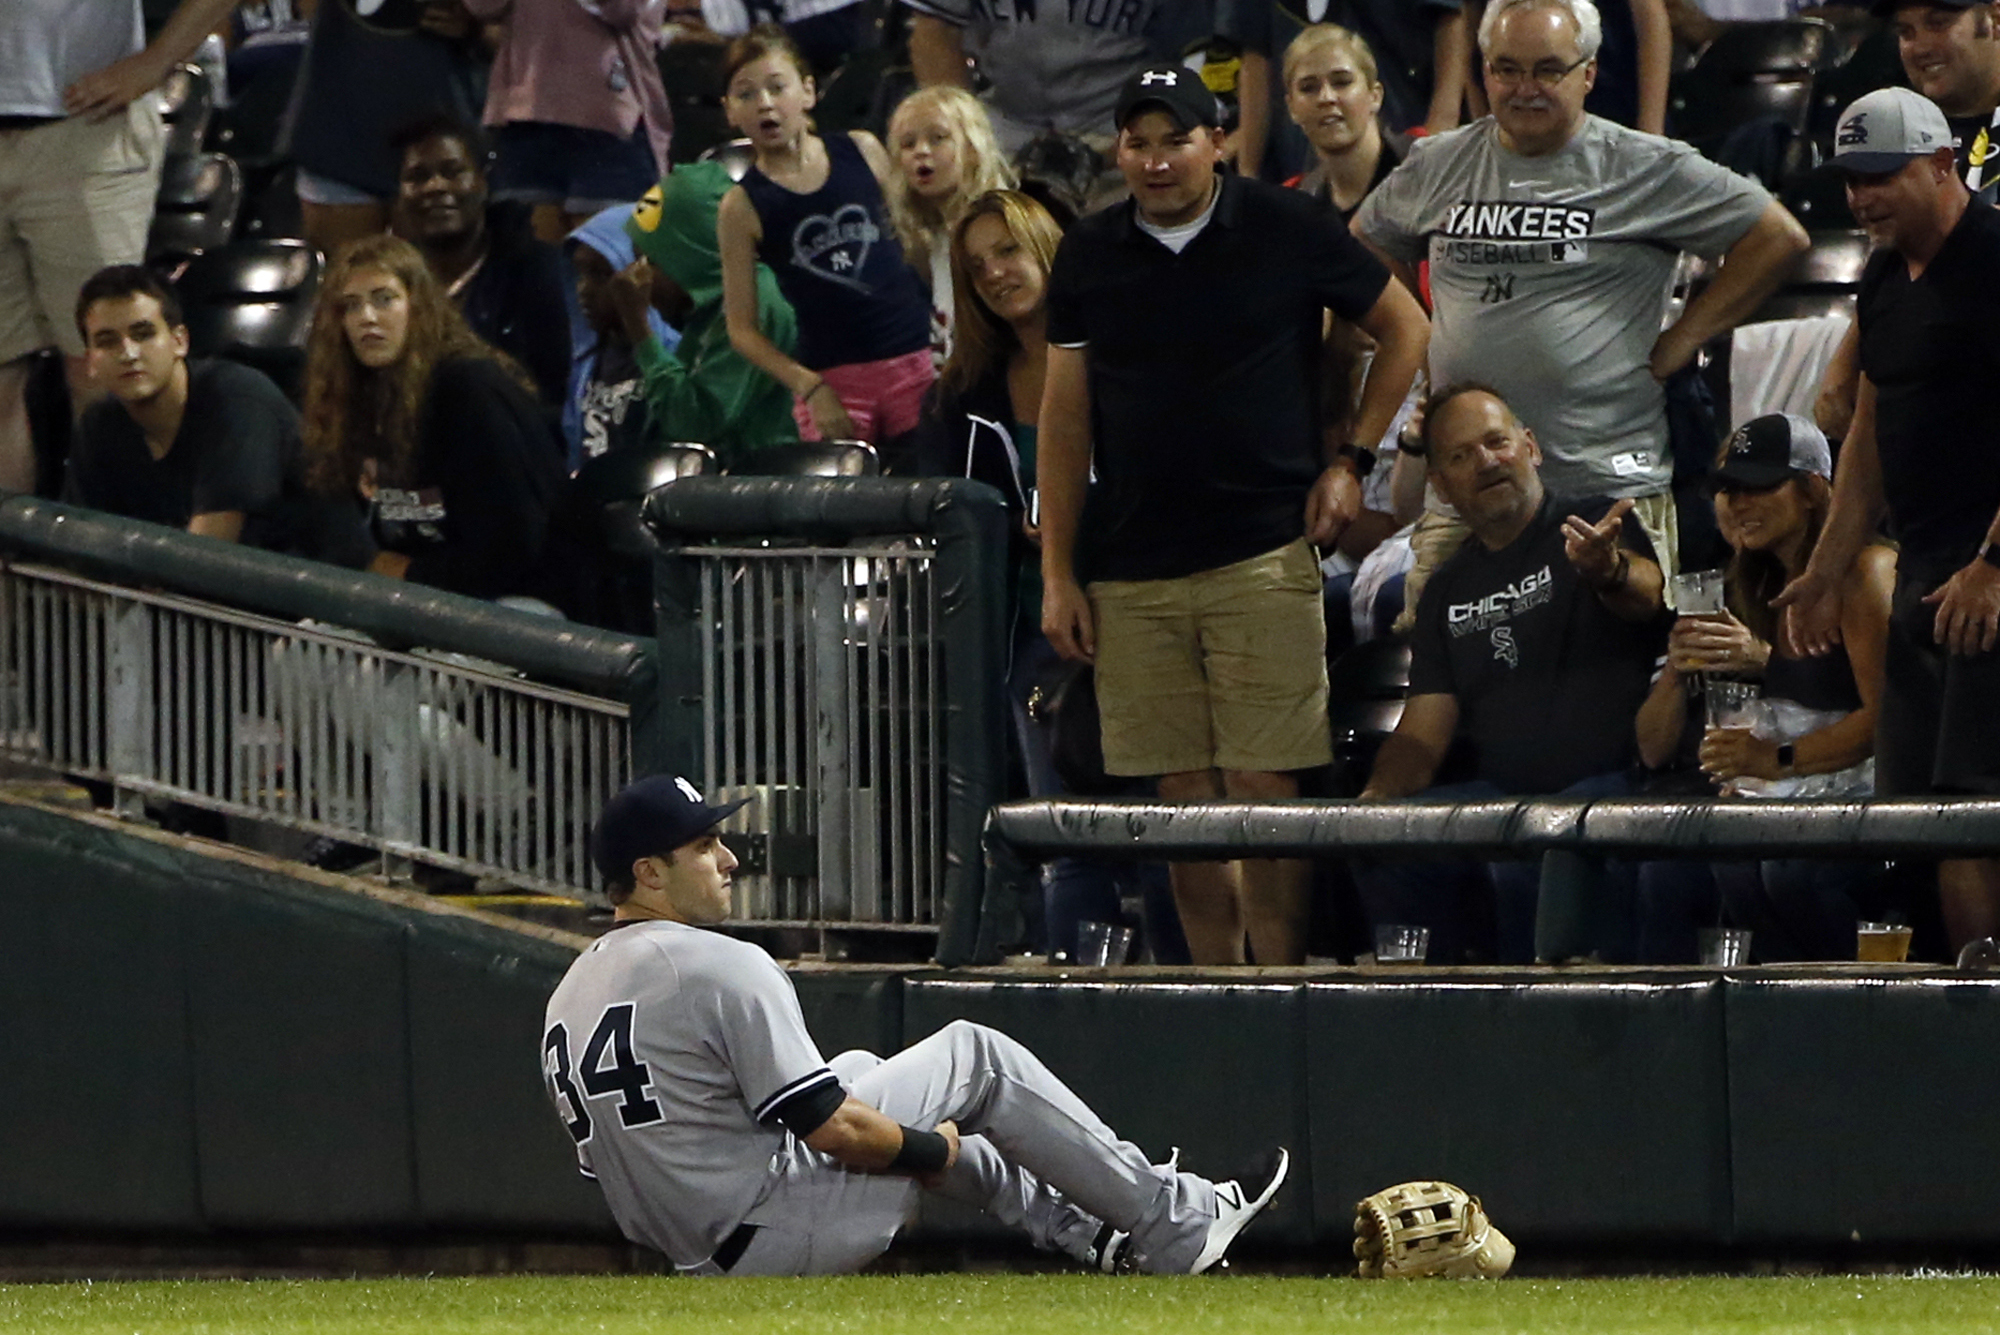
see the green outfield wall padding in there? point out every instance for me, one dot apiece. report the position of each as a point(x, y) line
point(1866, 1110)
point(199, 1041)
point(97, 1122)
point(489, 1150)
point(1574, 1110)
point(852, 1007)
point(1211, 1070)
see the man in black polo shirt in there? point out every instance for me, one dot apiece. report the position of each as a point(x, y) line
point(1924, 450)
point(1184, 331)
point(205, 446)
point(1533, 650)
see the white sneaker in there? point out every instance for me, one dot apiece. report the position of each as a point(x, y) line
point(1237, 1203)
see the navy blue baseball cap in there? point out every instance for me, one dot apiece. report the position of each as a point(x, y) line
point(651, 818)
point(1769, 449)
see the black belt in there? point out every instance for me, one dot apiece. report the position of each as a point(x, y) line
point(732, 1248)
point(26, 122)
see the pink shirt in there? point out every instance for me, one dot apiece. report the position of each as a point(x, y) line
point(587, 63)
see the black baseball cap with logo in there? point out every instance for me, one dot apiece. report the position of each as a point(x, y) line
point(651, 818)
point(1174, 89)
point(1767, 450)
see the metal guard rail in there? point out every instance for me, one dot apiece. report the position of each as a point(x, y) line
point(397, 615)
point(1018, 833)
point(966, 524)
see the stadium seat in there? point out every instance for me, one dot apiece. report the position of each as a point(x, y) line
point(691, 73)
point(613, 487)
point(1818, 199)
point(736, 157)
point(818, 458)
point(1365, 691)
point(196, 208)
point(1749, 98)
point(187, 104)
point(252, 301)
point(1873, 64)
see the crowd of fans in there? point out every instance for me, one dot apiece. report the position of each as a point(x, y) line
point(1372, 332)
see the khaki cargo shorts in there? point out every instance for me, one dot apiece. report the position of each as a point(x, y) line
point(75, 195)
point(1225, 669)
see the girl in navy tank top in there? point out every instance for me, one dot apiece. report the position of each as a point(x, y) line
point(813, 209)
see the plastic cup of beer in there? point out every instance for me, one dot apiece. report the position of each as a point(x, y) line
point(1698, 593)
point(1102, 945)
point(1398, 944)
point(1881, 942)
point(1724, 947)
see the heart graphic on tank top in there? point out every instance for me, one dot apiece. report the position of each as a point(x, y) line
point(836, 247)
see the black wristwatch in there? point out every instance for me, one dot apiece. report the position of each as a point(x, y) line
point(1363, 458)
point(1990, 554)
point(1786, 752)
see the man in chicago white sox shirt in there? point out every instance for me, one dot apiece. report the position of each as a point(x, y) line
point(678, 1060)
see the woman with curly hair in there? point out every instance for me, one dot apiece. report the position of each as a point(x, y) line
point(436, 435)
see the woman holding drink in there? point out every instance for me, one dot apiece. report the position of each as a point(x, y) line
point(1811, 733)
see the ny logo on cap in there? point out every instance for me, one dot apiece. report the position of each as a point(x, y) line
point(1167, 77)
point(1853, 131)
point(688, 790)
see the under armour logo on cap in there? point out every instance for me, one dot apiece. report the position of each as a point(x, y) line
point(1167, 88)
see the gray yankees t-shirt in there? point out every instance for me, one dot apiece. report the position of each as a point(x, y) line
point(1056, 64)
point(665, 1050)
point(1550, 276)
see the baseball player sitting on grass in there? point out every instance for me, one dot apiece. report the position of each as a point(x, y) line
point(679, 1061)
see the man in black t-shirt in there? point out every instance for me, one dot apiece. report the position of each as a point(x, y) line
point(204, 446)
point(1184, 331)
point(1951, 54)
point(1534, 647)
point(1924, 452)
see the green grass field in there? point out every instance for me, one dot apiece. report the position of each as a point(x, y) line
point(1013, 1303)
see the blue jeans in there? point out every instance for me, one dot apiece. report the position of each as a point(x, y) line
point(1080, 890)
point(1488, 911)
point(1795, 908)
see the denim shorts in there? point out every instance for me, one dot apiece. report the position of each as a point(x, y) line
point(582, 170)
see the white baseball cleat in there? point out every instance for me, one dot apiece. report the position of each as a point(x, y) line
point(1237, 1203)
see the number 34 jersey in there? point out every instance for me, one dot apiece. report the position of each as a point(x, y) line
point(666, 1049)
point(1550, 277)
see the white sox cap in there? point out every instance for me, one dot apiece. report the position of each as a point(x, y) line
point(1885, 129)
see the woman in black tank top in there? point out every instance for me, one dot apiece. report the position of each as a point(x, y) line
point(1815, 731)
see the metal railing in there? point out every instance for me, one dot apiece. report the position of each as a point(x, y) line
point(433, 757)
point(821, 673)
point(846, 637)
point(293, 693)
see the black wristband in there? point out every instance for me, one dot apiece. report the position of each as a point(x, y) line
point(923, 1153)
point(1360, 456)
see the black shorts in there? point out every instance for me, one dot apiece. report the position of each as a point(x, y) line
point(1938, 729)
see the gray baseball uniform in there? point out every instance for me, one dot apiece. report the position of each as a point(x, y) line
point(677, 1056)
point(1054, 65)
point(1550, 280)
